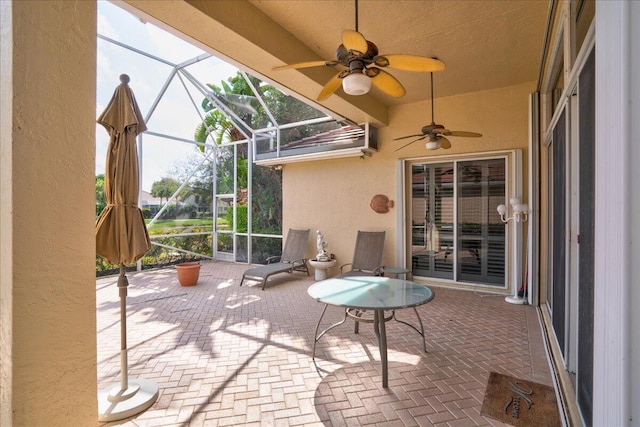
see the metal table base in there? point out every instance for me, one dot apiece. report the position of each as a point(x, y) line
point(379, 329)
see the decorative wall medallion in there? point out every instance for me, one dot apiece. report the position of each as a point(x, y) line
point(381, 203)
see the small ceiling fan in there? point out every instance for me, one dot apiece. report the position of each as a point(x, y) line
point(436, 133)
point(364, 66)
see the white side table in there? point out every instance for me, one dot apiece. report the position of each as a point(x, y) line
point(321, 268)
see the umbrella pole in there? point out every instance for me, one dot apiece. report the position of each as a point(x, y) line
point(129, 397)
point(123, 283)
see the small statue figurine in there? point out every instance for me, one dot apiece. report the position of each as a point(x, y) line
point(322, 255)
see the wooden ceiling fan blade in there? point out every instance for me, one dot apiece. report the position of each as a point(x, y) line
point(304, 65)
point(329, 88)
point(409, 62)
point(409, 136)
point(444, 142)
point(406, 145)
point(460, 133)
point(353, 40)
point(388, 84)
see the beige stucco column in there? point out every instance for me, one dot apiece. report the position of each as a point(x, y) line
point(47, 211)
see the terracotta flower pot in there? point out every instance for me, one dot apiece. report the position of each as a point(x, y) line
point(188, 273)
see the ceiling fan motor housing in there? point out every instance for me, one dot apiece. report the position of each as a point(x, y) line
point(432, 128)
point(346, 56)
point(342, 54)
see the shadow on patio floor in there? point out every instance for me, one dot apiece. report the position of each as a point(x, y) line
point(222, 354)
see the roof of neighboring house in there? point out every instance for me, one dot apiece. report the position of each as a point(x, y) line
point(148, 199)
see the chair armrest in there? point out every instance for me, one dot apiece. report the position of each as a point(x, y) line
point(300, 265)
point(273, 259)
point(342, 266)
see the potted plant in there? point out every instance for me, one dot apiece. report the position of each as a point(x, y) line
point(188, 273)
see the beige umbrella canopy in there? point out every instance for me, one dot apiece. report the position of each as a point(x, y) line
point(121, 234)
point(122, 238)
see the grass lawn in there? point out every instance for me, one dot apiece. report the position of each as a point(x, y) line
point(168, 223)
point(170, 226)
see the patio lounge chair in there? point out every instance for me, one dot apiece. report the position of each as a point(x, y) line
point(367, 257)
point(292, 259)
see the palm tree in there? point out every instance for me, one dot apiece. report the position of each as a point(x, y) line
point(236, 95)
point(238, 98)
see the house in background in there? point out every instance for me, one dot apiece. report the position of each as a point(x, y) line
point(564, 137)
point(149, 202)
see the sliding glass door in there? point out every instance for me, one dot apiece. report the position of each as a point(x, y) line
point(481, 236)
point(456, 232)
point(432, 220)
point(571, 211)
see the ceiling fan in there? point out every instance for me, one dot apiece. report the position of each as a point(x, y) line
point(364, 66)
point(436, 133)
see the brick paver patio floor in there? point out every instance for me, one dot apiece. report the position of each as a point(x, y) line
point(225, 355)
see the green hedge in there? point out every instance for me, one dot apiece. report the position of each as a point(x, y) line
point(242, 221)
point(160, 257)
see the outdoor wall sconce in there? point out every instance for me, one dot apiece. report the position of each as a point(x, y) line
point(520, 211)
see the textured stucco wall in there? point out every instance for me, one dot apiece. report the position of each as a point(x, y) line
point(5, 212)
point(334, 195)
point(48, 200)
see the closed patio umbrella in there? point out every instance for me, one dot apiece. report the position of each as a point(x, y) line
point(122, 238)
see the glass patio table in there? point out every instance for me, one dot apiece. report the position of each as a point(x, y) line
point(358, 294)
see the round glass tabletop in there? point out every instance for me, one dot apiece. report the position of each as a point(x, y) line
point(370, 292)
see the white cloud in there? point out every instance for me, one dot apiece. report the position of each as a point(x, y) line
point(104, 26)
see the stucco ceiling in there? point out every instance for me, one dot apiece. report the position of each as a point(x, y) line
point(485, 44)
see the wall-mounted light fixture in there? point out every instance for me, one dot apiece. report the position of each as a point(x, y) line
point(520, 211)
point(520, 215)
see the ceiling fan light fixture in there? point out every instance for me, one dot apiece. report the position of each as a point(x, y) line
point(437, 133)
point(433, 145)
point(356, 84)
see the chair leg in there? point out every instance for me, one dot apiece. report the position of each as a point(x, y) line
point(356, 327)
point(354, 313)
point(264, 280)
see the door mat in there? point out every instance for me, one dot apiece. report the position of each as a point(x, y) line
point(520, 402)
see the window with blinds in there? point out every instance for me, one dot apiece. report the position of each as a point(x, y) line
point(456, 232)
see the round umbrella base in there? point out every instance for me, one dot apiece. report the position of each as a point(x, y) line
point(116, 404)
point(515, 300)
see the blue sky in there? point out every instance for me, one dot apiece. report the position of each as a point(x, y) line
point(175, 114)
